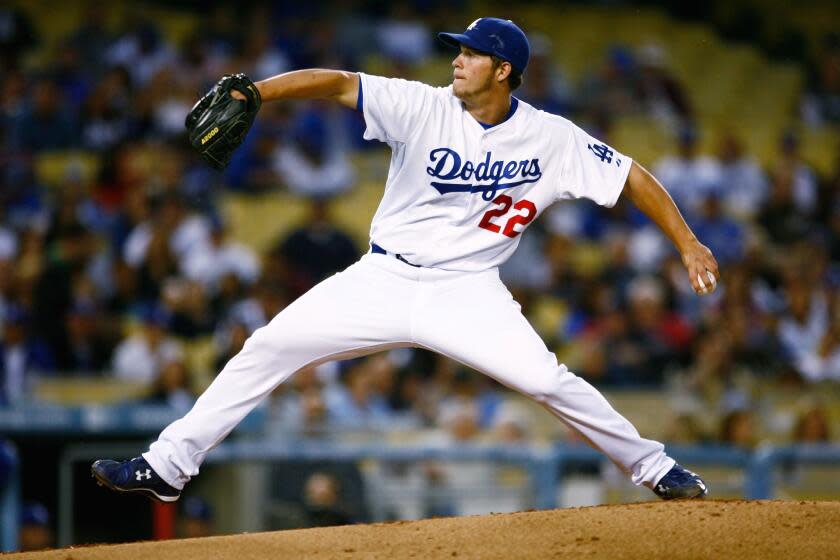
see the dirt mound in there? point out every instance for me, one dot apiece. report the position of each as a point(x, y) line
point(708, 529)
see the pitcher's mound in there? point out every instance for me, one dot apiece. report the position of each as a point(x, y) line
point(671, 530)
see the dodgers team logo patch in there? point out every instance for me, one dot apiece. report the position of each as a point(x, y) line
point(486, 177)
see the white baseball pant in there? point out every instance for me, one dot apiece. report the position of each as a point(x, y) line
point(381, 303)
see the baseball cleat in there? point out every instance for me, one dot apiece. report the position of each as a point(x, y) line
point(680, 483)
point(133, 475)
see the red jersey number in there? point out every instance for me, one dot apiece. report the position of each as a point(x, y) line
point(505, 202)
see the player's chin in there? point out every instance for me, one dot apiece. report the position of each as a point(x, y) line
point(458, 88)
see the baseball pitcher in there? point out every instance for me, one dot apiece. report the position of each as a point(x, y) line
point(472, 166)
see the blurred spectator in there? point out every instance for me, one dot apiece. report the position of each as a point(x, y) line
point(7, 287)
point(812, 426)
point(314, 163)
point(17, 37)
point(613, 89)
point(738, 429)
point(460, 419)
point(92, 37)
point(606, 356)
point(73, 201)
point(450, 484)
point(743, 184)
point(69, 75)
point(315, 250)
point(220, 32)
point(87, 346)
point(267, 299)
point(357, 403)
point(124, 294)
point(647, 249)
point(720, 233)
point(661, 337)
point(661, 94)
point(159, 247)
point(210, 264)
point(299, 407)
point(512, 425)
point(45, 124)
point(229, 342)
point(780, 217)
point(822, 103)
point(165, 102)
point(688, 176)
point(322, 501)
point(716, 379)
point(173, 229)
point(789, 163)
point(803, 328)
point(21, 354)
point(527, 268)
point(684, 429)
point(472, 390)
point(252, 167)
point(13, 101)
point(8, 244)
point(141, 357)
point(403, 36)
point(821, 361)
point(107, 112)
point(625, 259)
point(834, 225)
point(546, 87)
point(196, 519)
point(70, 250)
point(140, 47)
point(172, 387)
point(29, 266)
point(133, 211)
point(191, 314)
point(35, 532)
point(409, 400)
point(21, 194)
point(260, 54)
point(752, 344)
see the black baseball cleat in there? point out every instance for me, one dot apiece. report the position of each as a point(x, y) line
point(680, 483)
point(134, 475)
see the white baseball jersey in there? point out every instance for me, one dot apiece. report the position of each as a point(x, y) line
point(458, 195)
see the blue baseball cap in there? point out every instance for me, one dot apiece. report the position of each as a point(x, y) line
point(499, 37)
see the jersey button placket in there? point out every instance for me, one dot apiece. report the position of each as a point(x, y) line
point(476, 198)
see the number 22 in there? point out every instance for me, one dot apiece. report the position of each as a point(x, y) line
point(505, 202)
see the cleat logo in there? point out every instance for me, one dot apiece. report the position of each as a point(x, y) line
point(139, 475)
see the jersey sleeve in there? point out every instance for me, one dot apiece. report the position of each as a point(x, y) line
point(393, 108)
point(592, 169)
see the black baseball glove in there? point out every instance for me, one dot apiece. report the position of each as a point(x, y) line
point(217, 123)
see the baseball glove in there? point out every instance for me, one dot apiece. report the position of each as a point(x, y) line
point(217, 123)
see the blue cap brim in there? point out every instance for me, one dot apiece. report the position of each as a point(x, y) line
point(458, 39)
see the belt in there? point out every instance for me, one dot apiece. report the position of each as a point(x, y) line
point(374, 248)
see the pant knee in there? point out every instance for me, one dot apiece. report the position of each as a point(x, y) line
point(549, 386)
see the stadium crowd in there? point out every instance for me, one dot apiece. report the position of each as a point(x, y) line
point(109, 277)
